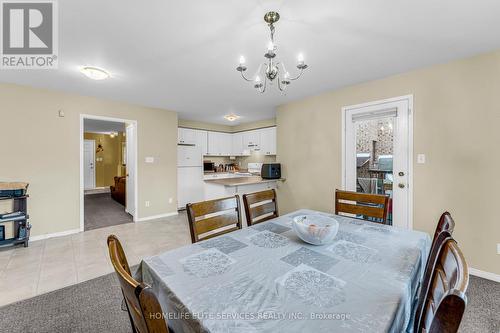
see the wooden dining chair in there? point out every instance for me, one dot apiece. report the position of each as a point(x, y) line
point(369, 206)
point(443, 232)
point(260, 206)
point(445, 222)
point(212, 218)
point(445, 302)
point(144, 310)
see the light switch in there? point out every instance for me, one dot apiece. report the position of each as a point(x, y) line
point(149, 159)
point(421, 158)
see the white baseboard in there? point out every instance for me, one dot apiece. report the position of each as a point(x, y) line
point(56, 234)
point(155, 217)
point(484, 275)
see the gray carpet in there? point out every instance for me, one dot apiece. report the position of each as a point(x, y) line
point(102, 211)
point(95, 306)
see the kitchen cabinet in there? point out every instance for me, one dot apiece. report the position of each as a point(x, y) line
point(268, 141)
point(251, 140)
point(202, 141)
point(230, 144)
point(186, 136)
point(219, 144)
point(237, 145)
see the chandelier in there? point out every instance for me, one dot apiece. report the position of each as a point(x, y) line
point(274, 70)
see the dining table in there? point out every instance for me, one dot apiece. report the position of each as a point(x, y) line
point(264, 278)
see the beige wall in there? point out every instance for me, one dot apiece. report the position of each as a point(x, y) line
point(456, 124)
point(110, 165)
point(43, 149)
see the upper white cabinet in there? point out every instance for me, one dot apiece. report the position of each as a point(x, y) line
point(186, 136)
point(227, 144)
point(268, 141)
point(251, 140)
point(219, 144)
point(202, 141)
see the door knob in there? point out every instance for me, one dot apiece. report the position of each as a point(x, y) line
point(401, 185)
point(401, 173)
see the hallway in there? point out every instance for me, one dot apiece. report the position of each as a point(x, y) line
point(102, 211)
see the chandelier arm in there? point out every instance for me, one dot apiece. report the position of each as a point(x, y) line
point(263, 88)
point(298, 75)
point(243, 76)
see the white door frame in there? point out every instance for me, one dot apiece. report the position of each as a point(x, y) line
point(93, 154)
point(134, 123)
point(409, 100)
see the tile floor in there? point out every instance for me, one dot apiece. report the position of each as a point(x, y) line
point(55, 263)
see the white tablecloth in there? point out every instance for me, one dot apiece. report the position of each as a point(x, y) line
point(265, 279)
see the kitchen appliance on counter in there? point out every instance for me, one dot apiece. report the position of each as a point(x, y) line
point(271, 171)
point(208, 166)
point(254, 168)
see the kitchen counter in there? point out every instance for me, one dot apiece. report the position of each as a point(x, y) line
point(239, 181)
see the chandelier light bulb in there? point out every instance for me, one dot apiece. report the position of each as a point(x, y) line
point(287, 75)
point(257, 79)
point(300, 58)
point(242, 60)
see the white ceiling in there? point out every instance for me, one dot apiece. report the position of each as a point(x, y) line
point(181, 55)
point(102, 126)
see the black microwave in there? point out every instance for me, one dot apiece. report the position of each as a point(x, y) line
point(208, 166)
point(271, 171)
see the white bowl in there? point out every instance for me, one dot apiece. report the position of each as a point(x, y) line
point(315, 229)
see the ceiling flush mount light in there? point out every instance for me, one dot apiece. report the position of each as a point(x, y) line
point(231, 117)
point(94, 73)
point(273, 69)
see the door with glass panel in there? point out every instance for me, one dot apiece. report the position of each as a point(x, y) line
point(377, 153)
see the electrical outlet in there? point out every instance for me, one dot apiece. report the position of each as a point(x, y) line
point(170, 200)
point(147, 203)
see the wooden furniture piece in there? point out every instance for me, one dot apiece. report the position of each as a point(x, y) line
point(372, 206)
point(260, 206)
point(213, 217)
point(118, 191)
point(445, 302)
point(14, 222)
point(144, 310)
point(444, 230)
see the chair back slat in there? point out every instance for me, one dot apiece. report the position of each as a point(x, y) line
point(213, 206)
point(216, 222)
point(445, 302)
point(369, 205)
point(445, 222)
point(260, 206)
point(214, 217)
point(131, 290)
point(374, 212)
point(443, 232)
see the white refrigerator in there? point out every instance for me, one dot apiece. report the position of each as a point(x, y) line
point(190, 186)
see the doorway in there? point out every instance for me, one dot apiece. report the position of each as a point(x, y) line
point(377, 153)
point(88, 164)
point(108, 177)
